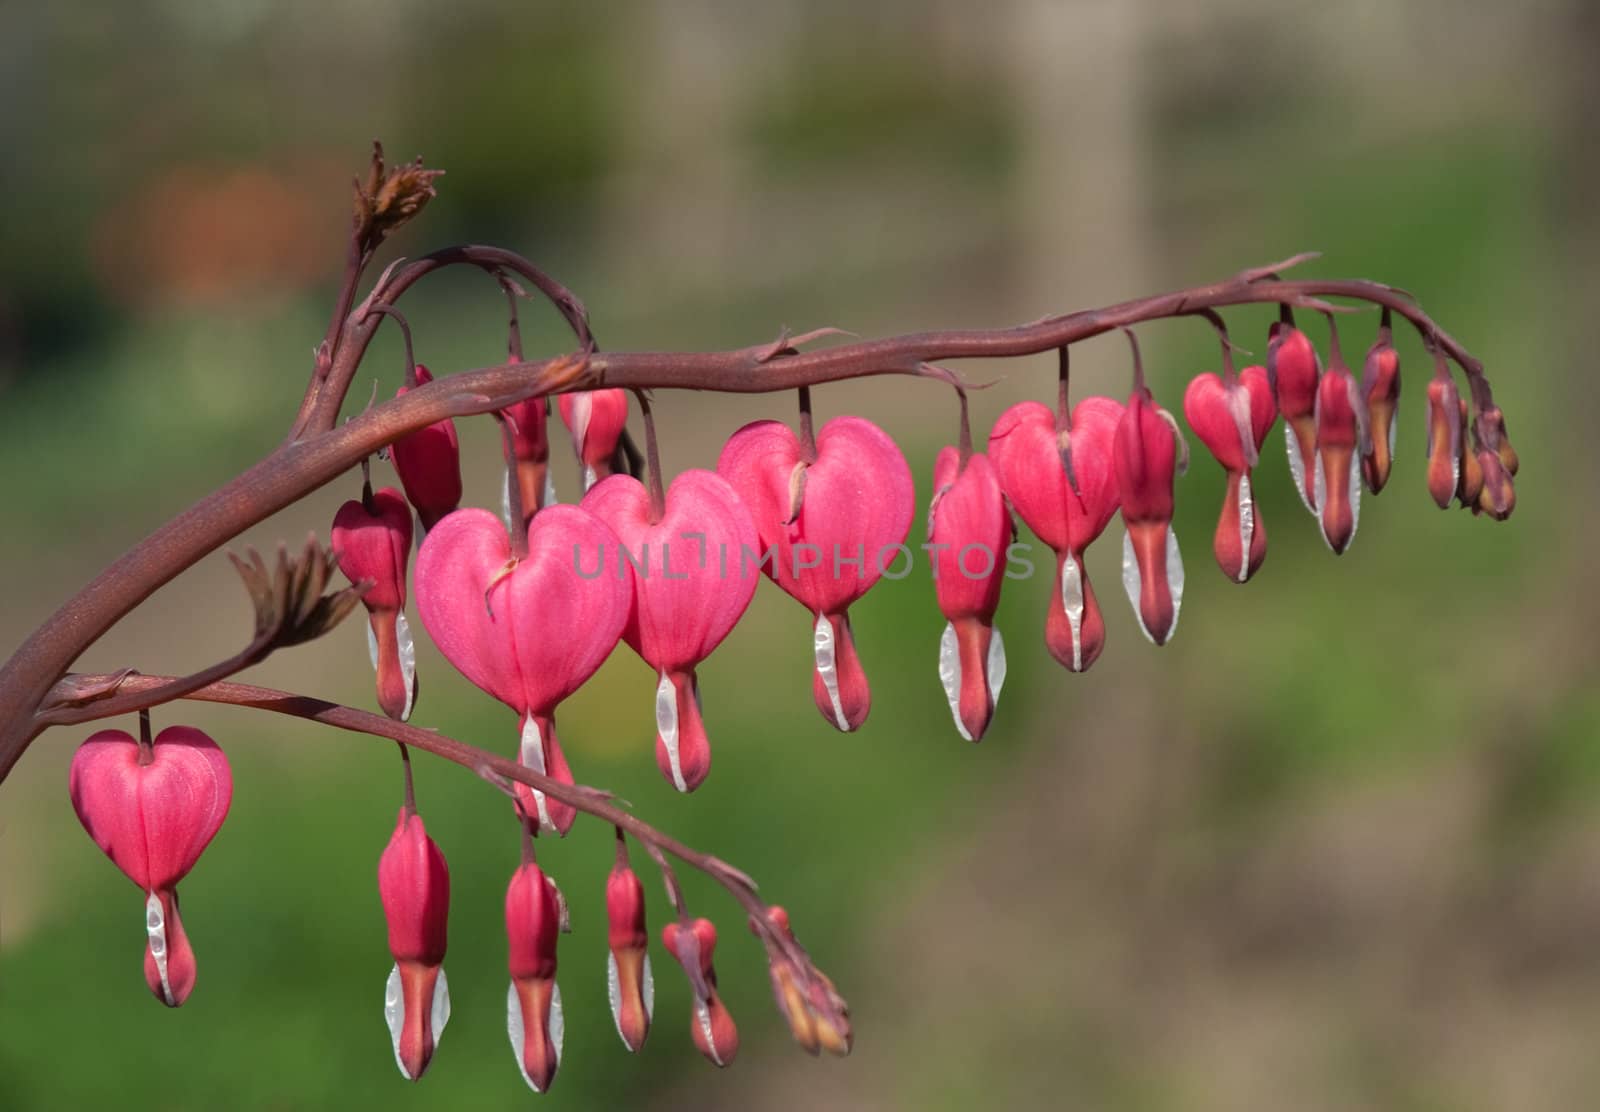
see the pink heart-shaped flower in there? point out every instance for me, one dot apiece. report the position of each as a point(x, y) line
point(371, 539)
point(1027, 456)
point(530, 631)
point(1232, 421)
point(153, 819)
point(691, 585)
point(831, 526)
point(1146, 453)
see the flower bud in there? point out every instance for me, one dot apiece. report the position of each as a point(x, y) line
point(1293, 368)
point(534, 1019)
point(596, 420)
point(1495, 418)
point(153, 810)
point(1146, 454)
point(1380, 386)
point(1339, 440)
point(428, 462)
point(712, 1028)
point(371, 540)
point(528, 455)
point(1444, 439)
point(969, 528)
point(818, 1018)
point(1232, 420)
point(414, 884)
point(1498, 497)
point(632, 985)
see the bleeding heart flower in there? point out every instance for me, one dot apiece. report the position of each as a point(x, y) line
point(428, 462)
point(632, 985)
point(153, 810)
point(1146, 451)
point(1341, 436)
point(712, 1028)
point(528, 631)
point(528, 456)
point(372, 540)
point(830, 525)
point(1293, 369)
point(818, 1018)
point(969, 529)
point(534, 1019)
point(1445, 440)
point(1469, 467)
point(1027, 457)
point(1232, 420)
point(1380, 386)
point(596, 419)
point(690, 589)
point(414, 884)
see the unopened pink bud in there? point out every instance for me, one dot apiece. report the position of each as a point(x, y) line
point(1146, 455)
point(1339, 436)
point(428, 462)
point(1469, 467)
point(528, 461)
point(1444, 440)
point(818, 1017)
point(1232, 420)
point(372, 541)
point(414, 884)
point(153, 811)
point(595, 418)
point(1380, 386)
point(1293, 369)
point(710, 1025)
point(534, 1020)
point(632, 985)
point(969, 529)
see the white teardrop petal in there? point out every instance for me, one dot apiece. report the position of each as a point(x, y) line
point(1072, 602)
point(589, 478)
point(996, 670)
point(505, 498)
point(394, 1014)
point(1394, 428)
point(1174, 578)
point(1247, 525)
point(950, 676)
point(1355, 497)
point(372, 647)
point(1132, 583)
point(822, 639)
point(441, 1006)
point(667, 728)
point(155, 925)
point(550, 498)
point(1297, 466)
point(702, 1015)
point(1321, 481)
point(532, 756)
point(558, 1022)
point(408, 661)
point(648, 989)
point(514, 1031)
point(614, 993)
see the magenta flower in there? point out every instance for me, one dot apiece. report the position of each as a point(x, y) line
point(969, 530)
point(1292, 369)
point(528, 631)
point(1146, 451)
point(710, 1025)
point(632, 985)
point(371, 540)
point(428, 462)
point(1232, 420)
point(688, 594)
point(831, 524)
point(1027, 455)
point(595, 418)
point(414, 884)
point(534, 1020)
point(153, 810)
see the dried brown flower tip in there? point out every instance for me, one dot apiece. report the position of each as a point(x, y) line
point(389, 197)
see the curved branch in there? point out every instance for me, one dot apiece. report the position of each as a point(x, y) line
point(299, 467)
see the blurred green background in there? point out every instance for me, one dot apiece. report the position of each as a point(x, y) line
point(1337, 846)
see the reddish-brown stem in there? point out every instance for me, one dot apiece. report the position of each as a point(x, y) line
point(964, 444)
point(328, 449)
point(808, 436)
point(652, 454)
point(146, 743)
point(410, 803)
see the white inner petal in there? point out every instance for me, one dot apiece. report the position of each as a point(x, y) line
point(372, 647)
point(1247, 526)
point(532, 756)
point(505, 498)
point(155, 925)
point(394, 1014)
point(1072, 602)
point(648, 989)
point(550, 498)
point(996, 666)
point(1174, 577)
point(950, 676)
point(408, 661)
point(558, 1022)
point(667, 727)
point(1355, 496)
point(1394, 427)
point(1321, 481)
point(1132, 582)
point(826, 668)
point(514, 1029)
point(1297, 466)
point(702, 1015)
point(614, 993)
